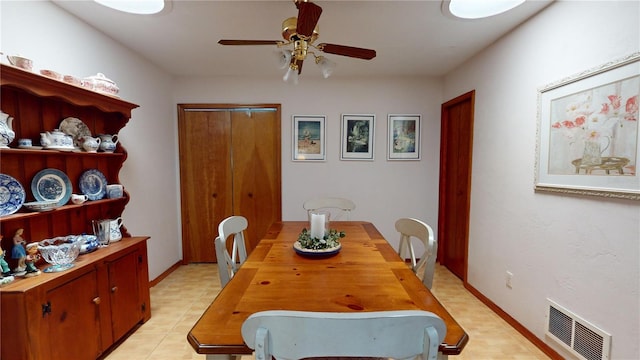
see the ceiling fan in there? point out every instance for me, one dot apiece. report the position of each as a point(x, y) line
point(302, 32)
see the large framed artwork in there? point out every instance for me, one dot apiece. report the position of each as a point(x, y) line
point(588, 132)
point(403, 137)
point(357, 137)
point(308, 137)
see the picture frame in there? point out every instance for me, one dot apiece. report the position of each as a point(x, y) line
point(309, 138)
point(357, 137)
point(403, 137)
point(587, 132)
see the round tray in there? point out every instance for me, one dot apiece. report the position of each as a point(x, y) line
point(316, 253)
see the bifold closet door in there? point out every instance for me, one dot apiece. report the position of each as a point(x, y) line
point(229, 165)
point(255, 147)
point(205, 180)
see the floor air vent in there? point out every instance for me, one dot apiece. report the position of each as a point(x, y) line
point(576, 334)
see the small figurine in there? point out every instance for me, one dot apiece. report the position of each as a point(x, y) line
point(19, 252)
point(31, 259)
point(5, 276)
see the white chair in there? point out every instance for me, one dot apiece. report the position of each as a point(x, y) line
point(228, 264)
point(414, 228)
point(289, 335)
point(336, 206)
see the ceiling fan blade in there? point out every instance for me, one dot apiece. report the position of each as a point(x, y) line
point(308, 15)
point(249, 42)
point(349, 51)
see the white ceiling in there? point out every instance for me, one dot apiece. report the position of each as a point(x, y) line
point(410, 37)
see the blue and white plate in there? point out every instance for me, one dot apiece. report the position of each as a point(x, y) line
point(51, 185)
point(12, 195)
point(93, 184)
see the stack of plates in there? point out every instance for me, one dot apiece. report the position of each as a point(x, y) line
point(41, 205)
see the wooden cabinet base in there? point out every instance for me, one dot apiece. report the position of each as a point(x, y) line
point(81, 312)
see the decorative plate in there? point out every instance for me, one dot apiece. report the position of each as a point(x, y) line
point(52, 185)
point(93, 184)
point(76, 128)
point(12, 195)
point(316, 253)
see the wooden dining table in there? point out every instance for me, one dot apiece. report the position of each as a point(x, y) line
point(366, 274)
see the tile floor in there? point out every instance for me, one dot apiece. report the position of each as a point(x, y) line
point(178, 301)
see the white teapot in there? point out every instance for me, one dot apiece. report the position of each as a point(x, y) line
point(56, 138)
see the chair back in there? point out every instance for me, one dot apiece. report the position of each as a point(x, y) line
point(289, 335)
point(228, 264)
point(415, 229)
point(338, 207)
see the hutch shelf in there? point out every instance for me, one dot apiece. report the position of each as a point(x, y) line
point(81, 312)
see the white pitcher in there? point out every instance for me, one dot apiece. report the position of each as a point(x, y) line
point(114, 229)
point(6, 130)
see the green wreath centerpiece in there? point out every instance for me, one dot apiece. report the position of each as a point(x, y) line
point(329, 241)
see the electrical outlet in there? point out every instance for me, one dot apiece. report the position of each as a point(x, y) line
point(509, 279)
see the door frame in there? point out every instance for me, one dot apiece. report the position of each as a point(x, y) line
point(446, 141)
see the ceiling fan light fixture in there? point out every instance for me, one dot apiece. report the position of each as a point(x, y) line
point(326, 66)
point(284, 58)
point(291, 76)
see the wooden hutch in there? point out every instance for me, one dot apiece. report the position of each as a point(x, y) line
point(81, 312)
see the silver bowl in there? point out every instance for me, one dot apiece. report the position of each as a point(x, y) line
point(60, 252)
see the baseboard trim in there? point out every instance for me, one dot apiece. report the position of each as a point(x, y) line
point(167, 272)
point(514, 323)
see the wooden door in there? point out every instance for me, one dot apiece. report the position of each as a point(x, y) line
point(256, 171)
point(229, 165)
point(205, 180)
point(456, 145)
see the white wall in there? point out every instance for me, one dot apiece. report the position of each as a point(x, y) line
point(582, 252)
point(382, 190)
point(58, 41)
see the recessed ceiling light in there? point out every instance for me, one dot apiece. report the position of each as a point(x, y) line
point(142, 7)
point(476, 9)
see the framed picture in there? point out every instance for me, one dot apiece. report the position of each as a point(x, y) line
point(308, 137)
point(357, 137)
point(404, 137)
point(588, 132)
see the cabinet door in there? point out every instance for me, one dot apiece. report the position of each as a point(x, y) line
point(126, 309)
point(73, 323)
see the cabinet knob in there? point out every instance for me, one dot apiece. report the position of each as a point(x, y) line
point(114, 289)
point(96, 300)
point(250, 195)
point(214, 195)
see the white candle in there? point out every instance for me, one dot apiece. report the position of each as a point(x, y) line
point(317, 226)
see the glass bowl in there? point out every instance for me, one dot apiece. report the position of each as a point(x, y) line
point(60, 252)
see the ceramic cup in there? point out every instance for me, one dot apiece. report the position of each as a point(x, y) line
point(115, 191)
point(78, 198)
point(114, 230)
point(25, 142)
